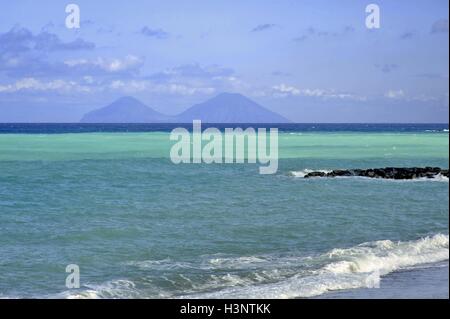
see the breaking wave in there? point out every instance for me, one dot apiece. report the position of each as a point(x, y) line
point(357, 267)
point(306, 171)
point(270, 276)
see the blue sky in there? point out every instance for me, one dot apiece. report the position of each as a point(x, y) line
point(311, 61)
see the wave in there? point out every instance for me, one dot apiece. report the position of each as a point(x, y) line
point(274, 276)
point(357, 267)
point(306, 171)
point(437, 178)
point(437, 131)
point(110, 290)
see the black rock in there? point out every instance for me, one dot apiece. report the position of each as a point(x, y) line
point(387, 173)
point(340, 173)
point(315, 174)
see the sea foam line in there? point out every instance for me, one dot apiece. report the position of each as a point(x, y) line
point(361, 266)
point(306, 171)
point(358, 267)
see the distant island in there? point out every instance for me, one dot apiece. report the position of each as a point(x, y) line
point(224, 108)
point(125, 110)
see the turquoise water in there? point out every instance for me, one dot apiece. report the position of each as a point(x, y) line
point(139, 226)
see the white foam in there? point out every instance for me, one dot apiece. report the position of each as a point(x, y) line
point(114, 289)
point(355, 267)
point(386, 256)
point(163, 264)
point(236, 263)
point(306, 171)
point(272, 276)
point(437, 178)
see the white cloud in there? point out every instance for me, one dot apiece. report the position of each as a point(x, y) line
point(32, 84)
point(283, 90)
point(425, 98)
point(184, 90)
point(130, 62)
point(314, 92)
point(395, 94)
point(89, 85)
point(134, 86)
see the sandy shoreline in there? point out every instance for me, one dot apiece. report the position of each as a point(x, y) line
point(418, 283)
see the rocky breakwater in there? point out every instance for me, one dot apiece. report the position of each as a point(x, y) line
point(387, 173)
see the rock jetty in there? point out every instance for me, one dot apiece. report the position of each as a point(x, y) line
point(387, 173)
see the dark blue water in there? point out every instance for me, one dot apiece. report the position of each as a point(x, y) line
point(56, 128)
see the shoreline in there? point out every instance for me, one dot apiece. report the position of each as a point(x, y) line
point(430, 282)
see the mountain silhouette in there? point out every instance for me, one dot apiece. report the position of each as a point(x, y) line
point(224, 108)
point(125, 110)
point(230, 108)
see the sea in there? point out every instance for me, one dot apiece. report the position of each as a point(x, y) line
point(108, 199)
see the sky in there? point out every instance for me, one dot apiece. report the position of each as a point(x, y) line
point(310, 61)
